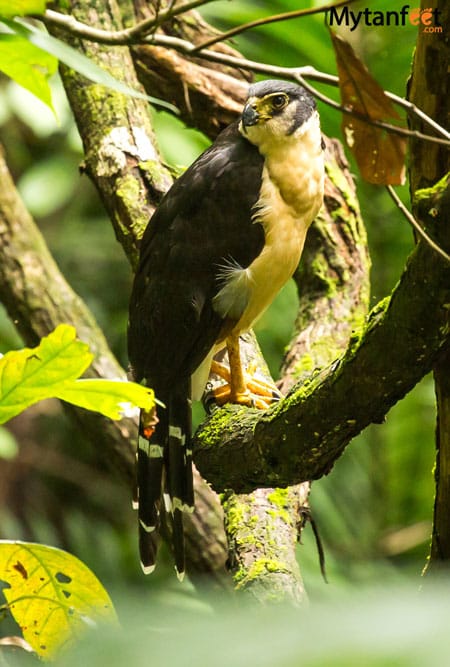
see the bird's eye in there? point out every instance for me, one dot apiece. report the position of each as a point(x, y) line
point(279, 101)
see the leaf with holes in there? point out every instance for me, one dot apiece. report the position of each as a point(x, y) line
point(53, 596)
point(380, 154)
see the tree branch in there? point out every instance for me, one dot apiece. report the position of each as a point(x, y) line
point(428, 87)
point(123, 37)
point(38, 298)
point(263, 529)
point(300, 438)
point(262, 566)
point(209, 96)
point(190, 49)
point(121, 156)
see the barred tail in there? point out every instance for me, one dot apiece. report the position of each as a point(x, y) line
point(164, 475)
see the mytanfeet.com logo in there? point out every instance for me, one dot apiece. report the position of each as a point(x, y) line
point(427, 19)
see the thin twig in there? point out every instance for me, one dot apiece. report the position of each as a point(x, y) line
point(411, 108)
point(393, 129)
point(421, 115)
point(162, 17)
point(411, 219)
point(122, 37)
point(299, 74)
point(271, 19)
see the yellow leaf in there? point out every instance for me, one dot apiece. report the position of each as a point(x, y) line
point(52, 595)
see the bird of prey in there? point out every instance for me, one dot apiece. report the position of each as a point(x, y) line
point(224, 240)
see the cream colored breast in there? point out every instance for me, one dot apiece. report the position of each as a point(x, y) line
point(290, 197)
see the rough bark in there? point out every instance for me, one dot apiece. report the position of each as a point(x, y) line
point(263, 526)
point(429, 90)
point(263, 529)
point(120, 152)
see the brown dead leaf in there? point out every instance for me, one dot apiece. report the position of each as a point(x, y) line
point(380, 154)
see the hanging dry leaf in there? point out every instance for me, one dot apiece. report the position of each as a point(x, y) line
point(380, 154)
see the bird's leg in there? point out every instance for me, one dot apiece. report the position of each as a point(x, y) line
point(240, 387)
point(239, 392)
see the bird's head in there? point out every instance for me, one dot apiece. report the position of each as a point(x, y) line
point(275, 111)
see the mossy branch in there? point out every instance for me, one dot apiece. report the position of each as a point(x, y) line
point(300, 438)
point(263, 529)
point(120, 152)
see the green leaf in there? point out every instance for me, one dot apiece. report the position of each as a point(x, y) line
point(52, 369)
point(30, 375)
point(52, 595)
point(21, 7)
point(28, 65)
point(79, 62)
point(113, 398)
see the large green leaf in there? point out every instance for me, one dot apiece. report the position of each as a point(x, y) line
point(79, 62)
point(30, 375)
point(28, 65)
point(51, 369)
point(21, 7)
point(52, 595)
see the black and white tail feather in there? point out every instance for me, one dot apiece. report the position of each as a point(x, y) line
point(164, 478)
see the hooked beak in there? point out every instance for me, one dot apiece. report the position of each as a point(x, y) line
point(250, 116)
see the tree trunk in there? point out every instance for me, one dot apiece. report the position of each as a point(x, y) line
point(429, 90)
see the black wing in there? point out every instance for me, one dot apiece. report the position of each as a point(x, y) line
point(204, 220)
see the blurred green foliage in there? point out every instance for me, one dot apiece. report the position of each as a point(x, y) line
point(374, 509)
point(395, 627)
